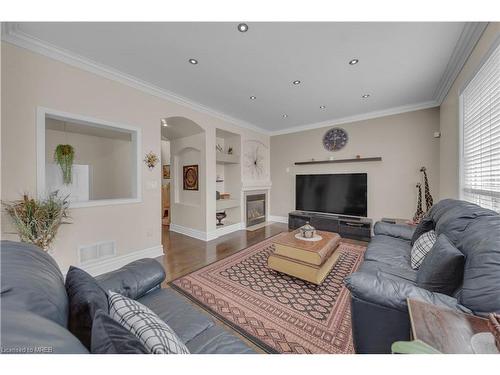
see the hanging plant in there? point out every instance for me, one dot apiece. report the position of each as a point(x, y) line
point(37, 220)
point(64, 156)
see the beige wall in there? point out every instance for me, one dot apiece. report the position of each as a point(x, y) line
point(449, 119)
point(404, 141)
point(30, 80)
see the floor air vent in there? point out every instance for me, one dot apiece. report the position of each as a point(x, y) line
point(95, 252)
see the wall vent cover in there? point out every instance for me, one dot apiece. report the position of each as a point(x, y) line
point(96, 252)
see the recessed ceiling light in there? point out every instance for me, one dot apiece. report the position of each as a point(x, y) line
point(285, 115)
point(364, 96)
point(296, 82)
point(353, 62)
point(253, 97)
point(322, 107)
point(164, 122)
point(242, 27)
point(193, 61)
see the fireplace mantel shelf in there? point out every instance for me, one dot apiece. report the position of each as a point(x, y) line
point(266, 186)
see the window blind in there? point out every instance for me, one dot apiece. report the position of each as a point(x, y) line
point(481, 135)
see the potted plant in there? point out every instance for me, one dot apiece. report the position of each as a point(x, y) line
point(64, 156)
point(37, 220)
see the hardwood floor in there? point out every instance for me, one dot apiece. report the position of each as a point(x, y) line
point(184, 254)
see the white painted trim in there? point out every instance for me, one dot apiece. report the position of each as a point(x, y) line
point(265, 186)
point(468, 39)
point(113, 263)
point(11, 34)
point(228, 229)
point(190, 232)
point(361, 117)
point(278, 219)
point(206, 236)
point(43, 112)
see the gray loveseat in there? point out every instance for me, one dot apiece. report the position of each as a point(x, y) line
point(34, 305)
point(385, 279)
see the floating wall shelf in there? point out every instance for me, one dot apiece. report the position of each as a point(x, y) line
point(355, 160)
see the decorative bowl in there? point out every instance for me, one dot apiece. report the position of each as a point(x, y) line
point(307, 231)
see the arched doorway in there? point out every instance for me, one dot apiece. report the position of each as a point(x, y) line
point(183, 199)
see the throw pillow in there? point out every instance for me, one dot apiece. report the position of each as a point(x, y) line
point(154, 333)
point(442, 270)
point(85, 298)
point(421, 247)
point(425, 225)
point(110, 337)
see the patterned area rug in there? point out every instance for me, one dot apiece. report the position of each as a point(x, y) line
point(277, 312)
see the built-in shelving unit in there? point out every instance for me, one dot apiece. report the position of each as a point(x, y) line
point(228, 179)
point(223, 158)
point(224, 204)
point(328, 161)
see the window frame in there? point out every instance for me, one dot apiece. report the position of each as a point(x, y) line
point(43, 112)
point(473, 74)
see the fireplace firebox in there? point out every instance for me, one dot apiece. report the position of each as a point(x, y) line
point(256, 209)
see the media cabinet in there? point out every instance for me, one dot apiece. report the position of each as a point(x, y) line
point(357, 228)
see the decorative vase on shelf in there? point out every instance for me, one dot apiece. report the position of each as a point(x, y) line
point(220, 216)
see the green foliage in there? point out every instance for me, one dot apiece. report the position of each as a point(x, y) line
point(64, 156)
point(37, 220)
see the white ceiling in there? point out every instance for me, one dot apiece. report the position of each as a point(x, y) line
point(400, 64)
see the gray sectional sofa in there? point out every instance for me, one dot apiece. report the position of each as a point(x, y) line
point(34, 305)
point(385, 279)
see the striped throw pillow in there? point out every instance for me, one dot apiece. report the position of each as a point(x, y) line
point(156, 336)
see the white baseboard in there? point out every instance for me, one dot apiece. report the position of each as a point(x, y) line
point(198, 234)
point(205, 236)
point(228, 229)
point(113, 263)
point(278, 219)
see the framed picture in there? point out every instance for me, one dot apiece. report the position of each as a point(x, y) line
point(166, 172)
point(190, 177)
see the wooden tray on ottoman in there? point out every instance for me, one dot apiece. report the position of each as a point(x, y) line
point(310, 261)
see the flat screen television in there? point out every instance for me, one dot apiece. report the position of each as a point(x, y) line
point(341, 194)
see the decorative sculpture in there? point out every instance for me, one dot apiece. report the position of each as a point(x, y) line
point(419, 213)
point(428, 197)
point(151, 159)
point(220, 216)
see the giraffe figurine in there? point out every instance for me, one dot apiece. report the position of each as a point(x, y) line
point(419, 213)
point(428, 197)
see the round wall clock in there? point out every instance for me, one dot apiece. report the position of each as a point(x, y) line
point(335, 139)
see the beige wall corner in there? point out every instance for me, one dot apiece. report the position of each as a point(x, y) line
point(34, 80)
point(404, 141)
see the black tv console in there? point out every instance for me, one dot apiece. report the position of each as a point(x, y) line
point(357, 228)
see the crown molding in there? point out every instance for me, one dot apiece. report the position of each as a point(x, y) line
point(470, 35)
point(361, 117)
point(468, 39)
point(13, 35)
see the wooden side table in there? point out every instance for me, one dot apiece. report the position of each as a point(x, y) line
point(440, 330)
